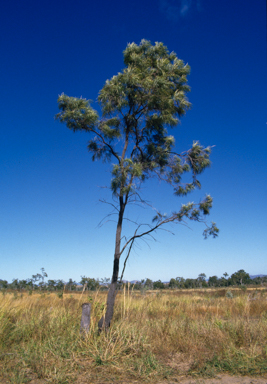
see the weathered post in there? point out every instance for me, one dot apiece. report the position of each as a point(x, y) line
point(85, 321)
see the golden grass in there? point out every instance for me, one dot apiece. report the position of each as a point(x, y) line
point(153, 336)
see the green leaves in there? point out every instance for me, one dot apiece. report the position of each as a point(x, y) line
point(198, 158)
point(211, 231)
point(139, 105)
point(124, 176)
point(205, 205)
point(76, 113)
point(190, 211)
point(107, 130)
point(183, 191)
point(153, 81)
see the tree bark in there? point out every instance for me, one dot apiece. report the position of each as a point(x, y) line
point(105, 321)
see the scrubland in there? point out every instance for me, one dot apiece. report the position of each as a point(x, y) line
point(154, 337)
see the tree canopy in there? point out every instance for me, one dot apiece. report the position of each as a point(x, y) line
point(139, 105)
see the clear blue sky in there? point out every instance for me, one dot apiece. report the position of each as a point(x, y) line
point(50, 189)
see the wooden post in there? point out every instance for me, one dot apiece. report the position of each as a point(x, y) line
point(85, 321)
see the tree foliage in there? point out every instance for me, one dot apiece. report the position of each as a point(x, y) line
point(90, 283)
point(240, 277)
point(139, 105)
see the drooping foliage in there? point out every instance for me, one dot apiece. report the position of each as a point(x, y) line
point(138, 105)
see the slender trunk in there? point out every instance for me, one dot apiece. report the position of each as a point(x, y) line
point(104, 322)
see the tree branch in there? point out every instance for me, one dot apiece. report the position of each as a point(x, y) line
point(125, 261)
point(106, 144)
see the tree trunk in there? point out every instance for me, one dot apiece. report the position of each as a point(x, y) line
point(104, 322)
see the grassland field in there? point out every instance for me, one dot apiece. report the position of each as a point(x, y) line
point(167, 336)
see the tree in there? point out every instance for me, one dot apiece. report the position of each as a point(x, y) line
point(15, 284)
point(137, 285)
point(44, 274)
point(59, 284)
point(202, 277)
point(180, 282)
point(23, 284)
point(158, 285)
point(223, 280)
point(190, 283)
point(177, 283)
point(91, 284)
point(240, 277)
point(29, 284)
point(51, 285)
point(138, 106)
point(173, 283)
point(3, 284)
point(148, 284)
point(259, 280)
point(202, 280)
point(104, 282)
point(213, 281)
point(71, 285)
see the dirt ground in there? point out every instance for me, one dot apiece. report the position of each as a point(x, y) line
point(223, 379)
point(220, 379)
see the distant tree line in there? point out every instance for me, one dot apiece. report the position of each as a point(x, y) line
point(238, 278)
point(37, 282)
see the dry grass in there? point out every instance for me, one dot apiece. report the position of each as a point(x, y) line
point(153, 336)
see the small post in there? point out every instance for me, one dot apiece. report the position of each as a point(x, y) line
point(85, 321)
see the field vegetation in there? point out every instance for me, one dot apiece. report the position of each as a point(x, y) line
point(155, 336)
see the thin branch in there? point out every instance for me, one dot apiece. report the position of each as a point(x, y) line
point(170, 219)
point(106, 202)
point(103, 223)
point(145, 202)
point(106, 144)
point(131, 221)
point(141, 238)
point(125, 261)
point(141, 235)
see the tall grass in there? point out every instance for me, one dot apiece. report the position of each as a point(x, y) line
point(153, 336)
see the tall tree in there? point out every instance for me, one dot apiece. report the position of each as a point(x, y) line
point(202, 280)
point(138, 105)
point(213, 281)
point(240, 277)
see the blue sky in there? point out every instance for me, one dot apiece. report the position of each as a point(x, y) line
point(50, 189)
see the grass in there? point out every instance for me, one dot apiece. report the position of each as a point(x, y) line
point(153, 336)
